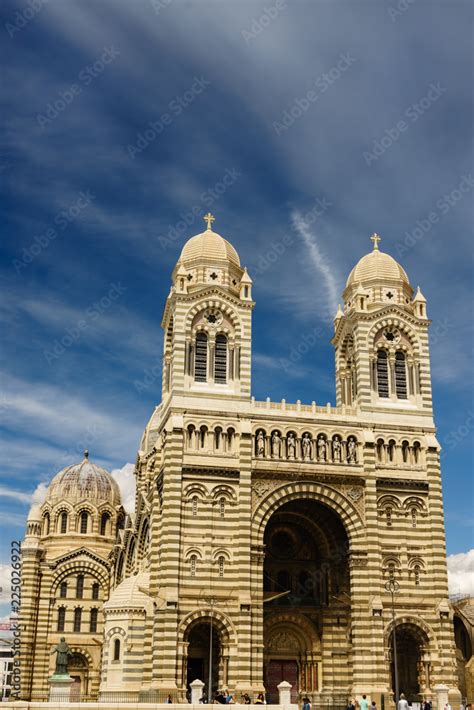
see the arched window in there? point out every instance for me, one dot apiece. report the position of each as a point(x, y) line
point(391, 450)
point(194, 505)
point(46, 524)
point(116, 655)
point(77, 620)
point(131, 556)
point(220, 360)
point(80, 586)
point(217, 438)
point(63, 523)
point(405, 451)
point(200, 358)
point(61, 618)
point(400, 375)
point(221, 563)
point(93, 621)
point(388, 514)
point(63, 590)
point(230, 439)
point(202, 437)
point(222, 507)
point(84, 522)
point(193, 561)
point(417, 452)
point(95, 590)
point(416, 570)
point(413, 517)
point(104, 523)
point(380, 446)
point(382, 373)
point(120, 563)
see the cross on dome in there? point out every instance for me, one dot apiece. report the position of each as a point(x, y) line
point(209, 218)
point(376, 239)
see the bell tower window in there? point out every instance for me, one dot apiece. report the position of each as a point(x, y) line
point(220, 364)
point(382, 374)
point(200, 361)
point(400, 375)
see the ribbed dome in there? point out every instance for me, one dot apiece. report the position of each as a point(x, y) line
point(82, 481)
point(129, 593)
point(377, 265)
point(208, 246)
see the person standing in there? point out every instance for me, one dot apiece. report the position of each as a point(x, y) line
point(306, 704)
point(364, 703)
point(403, 703)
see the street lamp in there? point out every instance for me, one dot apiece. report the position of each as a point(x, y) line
point(392, 586)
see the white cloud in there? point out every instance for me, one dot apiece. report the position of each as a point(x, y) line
point(20, 496)
point(5, 583)
point(319, 262)
point(461, 573)
point(126, 480)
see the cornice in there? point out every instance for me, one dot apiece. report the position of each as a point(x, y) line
point(402, 483)
point(76, 553)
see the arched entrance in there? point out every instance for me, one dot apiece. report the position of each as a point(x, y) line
point(306, 596)
point(78, 669)
point(199, 654)
point(413, 664)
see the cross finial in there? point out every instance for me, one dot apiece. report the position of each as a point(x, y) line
point(86, 454)
point(376, 239)
point(209, 218)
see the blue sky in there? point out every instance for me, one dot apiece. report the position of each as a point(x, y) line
point(124, 122)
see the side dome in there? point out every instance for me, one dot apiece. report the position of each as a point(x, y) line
point(377, 265)
point(208, 246)
point(131, 593)
point(81, 481)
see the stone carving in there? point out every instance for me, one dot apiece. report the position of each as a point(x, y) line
point(336, 449)
point(276, 443)
point(291, 445)
point(306, 446)
point(351, 450)
point(63, 653)
point(260, 444)
point(283, 641)
point(355, 493)
point(321, 448)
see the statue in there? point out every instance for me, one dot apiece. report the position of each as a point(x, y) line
point(336, 449)
point(63, 653)
point(260, 444)
point(306, 446)
point(351, 450)
point(291, 445)
point(322, 448)
point(276, 445)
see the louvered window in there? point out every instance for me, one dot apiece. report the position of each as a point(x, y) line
point(84, 523)
point(93, 621)
point(400, 375)
point(61, 618)
point(63, 590)
point(200, 358)
point(80, 586)
point(63, 522)
point(220, 365)
point(382, 373)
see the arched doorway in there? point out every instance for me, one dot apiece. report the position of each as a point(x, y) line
point(413, 666)
point(79, 671)
point(306, 578)
point(199, 653)
point(463, 653)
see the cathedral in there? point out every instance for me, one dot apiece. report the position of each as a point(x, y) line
point(270, 541)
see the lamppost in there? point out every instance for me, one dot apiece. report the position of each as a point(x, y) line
point(392, 586)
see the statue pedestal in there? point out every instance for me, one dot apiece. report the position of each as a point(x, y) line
point(60, 688)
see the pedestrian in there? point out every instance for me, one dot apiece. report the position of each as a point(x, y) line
point(403, 703)
point(229, 699)
point(373, 705)
point(306, 703)
point(364, 703)
point(447, 707)
point(350, 705)
point(246, 699)
point(170, 699)
point(260, 699)
point(427, 704)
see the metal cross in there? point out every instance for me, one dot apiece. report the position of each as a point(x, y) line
point(376, 239)
point(209, 218)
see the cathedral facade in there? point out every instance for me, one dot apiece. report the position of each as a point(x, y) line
point(273, 531)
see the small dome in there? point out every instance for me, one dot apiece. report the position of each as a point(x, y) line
point(129, 593)
point(208, 246)
point(82, 481)
point(377, 265)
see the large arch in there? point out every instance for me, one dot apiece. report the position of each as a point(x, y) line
point(415, 641)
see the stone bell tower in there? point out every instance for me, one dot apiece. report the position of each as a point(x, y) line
point(381, 339)
point(207, 321)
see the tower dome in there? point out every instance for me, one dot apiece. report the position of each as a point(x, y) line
point(81, 481)
point(208, 246)
point(377, 265)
